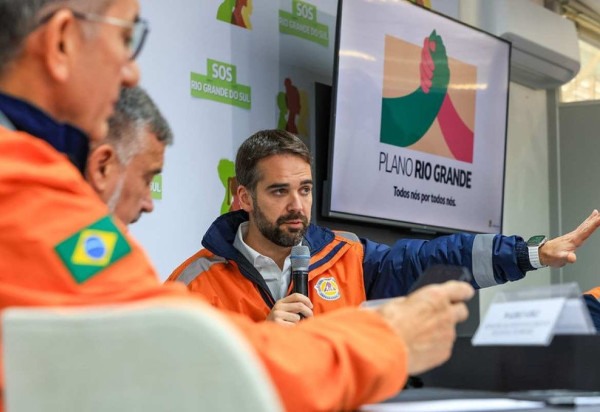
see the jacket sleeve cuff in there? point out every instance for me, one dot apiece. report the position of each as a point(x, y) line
point(523, 256)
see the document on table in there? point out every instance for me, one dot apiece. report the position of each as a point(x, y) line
point(455, 405)
point(559, 397)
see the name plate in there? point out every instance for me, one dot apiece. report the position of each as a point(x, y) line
point(533, 317)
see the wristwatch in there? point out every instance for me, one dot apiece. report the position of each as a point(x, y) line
point(533, 247)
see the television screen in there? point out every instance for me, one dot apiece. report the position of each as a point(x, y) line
point(419, 114)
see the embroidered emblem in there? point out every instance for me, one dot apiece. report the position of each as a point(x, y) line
point(328, 288)
point(92, 249)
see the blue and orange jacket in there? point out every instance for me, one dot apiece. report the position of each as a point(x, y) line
point(344, 270)
point(592, 301)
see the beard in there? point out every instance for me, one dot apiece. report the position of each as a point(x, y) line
point(275, 233)
point(113, 201)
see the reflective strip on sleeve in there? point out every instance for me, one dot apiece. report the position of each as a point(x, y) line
point(197, 267)
point(483, 270)
point(348, 236)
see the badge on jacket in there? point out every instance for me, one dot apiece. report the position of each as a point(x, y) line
point(328, 288)
point(93, 249)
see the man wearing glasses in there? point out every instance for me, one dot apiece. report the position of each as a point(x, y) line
point(62, 64)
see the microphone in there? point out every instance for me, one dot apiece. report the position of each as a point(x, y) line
point(300, 259)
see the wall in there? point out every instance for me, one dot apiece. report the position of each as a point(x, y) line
point(526, 190)
point(185, 33)
point(578, 158)
point(527, 179)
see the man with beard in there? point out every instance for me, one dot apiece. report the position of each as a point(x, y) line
point(121, 167)
point(245, 266)
point(62, 66)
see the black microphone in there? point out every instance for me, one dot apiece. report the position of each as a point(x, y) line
point(300, 259)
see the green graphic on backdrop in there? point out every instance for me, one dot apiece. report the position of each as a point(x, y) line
point(226, 171)
point(156, 187)
point(302, 22)
point(220, 85)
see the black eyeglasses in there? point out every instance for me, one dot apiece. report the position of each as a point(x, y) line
point(139, 28)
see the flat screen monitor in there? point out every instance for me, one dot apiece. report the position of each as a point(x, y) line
point(419, 118)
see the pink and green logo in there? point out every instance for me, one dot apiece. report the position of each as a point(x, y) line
point(429, 108)
point(226, 172)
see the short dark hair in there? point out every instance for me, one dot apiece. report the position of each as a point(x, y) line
point(261, 145)
point(135, 113)
point(18, 18)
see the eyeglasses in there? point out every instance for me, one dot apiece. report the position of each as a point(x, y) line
point(139, 29)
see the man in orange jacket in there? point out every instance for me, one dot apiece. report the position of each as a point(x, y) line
point(245, 265)
point(62, 64)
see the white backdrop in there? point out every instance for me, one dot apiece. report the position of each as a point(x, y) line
point(185, 33)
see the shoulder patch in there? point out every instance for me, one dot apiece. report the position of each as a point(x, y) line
point(328, 289)
point(93, 249)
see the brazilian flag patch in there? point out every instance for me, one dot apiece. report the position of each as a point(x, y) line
point(92, 249)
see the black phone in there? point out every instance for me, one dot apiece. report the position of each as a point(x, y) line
point(441, 274)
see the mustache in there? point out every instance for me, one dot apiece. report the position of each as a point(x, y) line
point(292, 216)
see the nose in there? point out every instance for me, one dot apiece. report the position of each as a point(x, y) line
point(131, 74)
point(295, 202)
point(147, 203)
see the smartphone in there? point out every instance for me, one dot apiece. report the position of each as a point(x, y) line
point(440, 274)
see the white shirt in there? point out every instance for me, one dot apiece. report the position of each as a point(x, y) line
point(277, 280)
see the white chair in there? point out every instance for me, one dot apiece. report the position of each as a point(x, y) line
point(151, 358)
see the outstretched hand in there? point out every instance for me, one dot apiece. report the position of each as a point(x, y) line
point(559, 251)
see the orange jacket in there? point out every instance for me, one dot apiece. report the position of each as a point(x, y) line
point(336, 281)
point(59, 247)
point(592, 301)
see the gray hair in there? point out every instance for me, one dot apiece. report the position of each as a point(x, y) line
point(19, 18)
point(135, 114)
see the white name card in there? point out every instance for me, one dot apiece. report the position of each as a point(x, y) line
point(533, 317)
point(519, 323)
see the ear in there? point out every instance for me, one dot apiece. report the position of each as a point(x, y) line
point(245, 198)
point(102, 170)
point(58, 41)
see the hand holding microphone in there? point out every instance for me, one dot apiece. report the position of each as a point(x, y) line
point(291, 309)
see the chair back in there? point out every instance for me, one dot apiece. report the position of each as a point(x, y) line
point(138, 358)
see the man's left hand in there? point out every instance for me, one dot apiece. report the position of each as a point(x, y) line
point(559, 251)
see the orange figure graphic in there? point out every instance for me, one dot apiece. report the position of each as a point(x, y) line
point(232, 185)
point(246, 13)
point(292, 99)
point(236, 17)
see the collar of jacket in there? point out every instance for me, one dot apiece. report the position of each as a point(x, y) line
point(219, 237)
point(63, 137)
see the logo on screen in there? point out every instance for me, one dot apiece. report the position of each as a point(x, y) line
point(293, 109)
point(236, 12)
point(428, 99)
